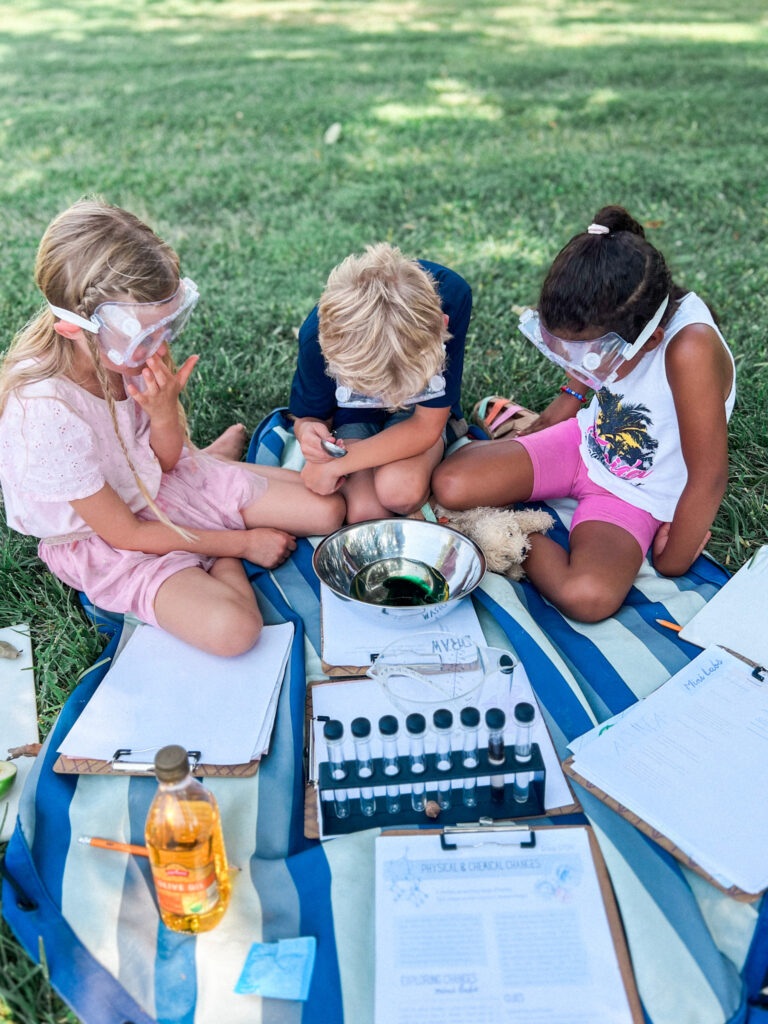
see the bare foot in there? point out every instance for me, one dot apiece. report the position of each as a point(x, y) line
point(230, 444)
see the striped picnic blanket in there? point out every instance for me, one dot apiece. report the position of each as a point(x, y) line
point(698, 956)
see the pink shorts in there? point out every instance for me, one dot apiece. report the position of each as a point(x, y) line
point(559, 472)
point(200, 492)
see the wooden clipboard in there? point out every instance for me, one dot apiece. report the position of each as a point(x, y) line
point(658, 837)
point(91, 766)
point(615, 926)
point(311, 797)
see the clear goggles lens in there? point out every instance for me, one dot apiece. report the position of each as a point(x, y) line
point(346, 398)
point(130, 332)
point(595, 362)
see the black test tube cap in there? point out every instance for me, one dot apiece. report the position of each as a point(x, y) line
point(442, 718)
point(495, 718)
point(388, 725)
point(524, 712)
point(506, 664)
point(415, 724)
point(361, 728)
point(333, 729)
point(470, 718)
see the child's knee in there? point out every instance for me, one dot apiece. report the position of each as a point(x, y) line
point(401, 491)
point(449, 486)
point(588, 598)
point(331, 515)
point(233, 629)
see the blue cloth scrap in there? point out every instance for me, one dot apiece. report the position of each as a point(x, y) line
point(279, 970)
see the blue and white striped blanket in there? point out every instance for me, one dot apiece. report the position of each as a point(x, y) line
point(698, 956)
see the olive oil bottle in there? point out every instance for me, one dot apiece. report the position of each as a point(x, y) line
point(186, 847)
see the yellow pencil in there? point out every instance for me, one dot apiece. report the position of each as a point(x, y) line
point(111, 844)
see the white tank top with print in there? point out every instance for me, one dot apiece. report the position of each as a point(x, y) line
point(630, 437)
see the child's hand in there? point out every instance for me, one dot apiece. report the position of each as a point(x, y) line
point(660, 548)
point(323, 478)
point(310, 438)
point(162, 387)
point(267, 547)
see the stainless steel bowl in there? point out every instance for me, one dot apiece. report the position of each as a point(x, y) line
point(340, 561)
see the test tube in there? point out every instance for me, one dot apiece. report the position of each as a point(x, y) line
point(495, 720)
point(524, 715)
point(333, 734)
point(442, 721)
point(361, 737)
point(470, 723)
point(416, 726)
point(390, 764)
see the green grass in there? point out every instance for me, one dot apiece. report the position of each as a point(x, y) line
point(481, 135)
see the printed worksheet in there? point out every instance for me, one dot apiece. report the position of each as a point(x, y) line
point(494, 933)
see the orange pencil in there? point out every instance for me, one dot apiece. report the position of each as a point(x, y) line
point(669, 625)
point(110, 844)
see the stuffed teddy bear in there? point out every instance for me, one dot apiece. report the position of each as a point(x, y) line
point(502, 533)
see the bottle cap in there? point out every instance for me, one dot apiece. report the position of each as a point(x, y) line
point(388, 725)
point(333, 729)
point(470, 717)
point(415, 724)
point(171, 763)
point(524, 712)
point(442, 718)
point(495, 718)
point(506, 664)
point(361, 728)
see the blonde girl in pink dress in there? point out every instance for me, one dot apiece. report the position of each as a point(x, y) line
point(95, 455)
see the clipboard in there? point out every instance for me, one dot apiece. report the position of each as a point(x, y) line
point(658, 837)
point(760, 675)
point(120, 765)
point(455, 837)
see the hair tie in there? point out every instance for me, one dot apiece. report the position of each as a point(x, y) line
point(598, 229)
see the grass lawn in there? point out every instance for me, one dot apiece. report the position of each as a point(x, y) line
point(481, 135)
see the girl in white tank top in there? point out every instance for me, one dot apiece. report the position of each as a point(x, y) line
point(647, 455)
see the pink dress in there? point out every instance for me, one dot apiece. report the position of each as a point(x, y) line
point(58, 444)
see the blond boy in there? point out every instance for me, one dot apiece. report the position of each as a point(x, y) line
point(380, 362)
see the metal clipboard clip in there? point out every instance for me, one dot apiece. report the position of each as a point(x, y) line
point(119, 764)
point(482, 829)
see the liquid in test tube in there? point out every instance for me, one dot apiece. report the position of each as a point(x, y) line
point(495, 720)
point(333, 734)
point(524, 714)
point(442, 721)
point(388, 731)
point(416, 726)
point(361, 737)
point(470, 725)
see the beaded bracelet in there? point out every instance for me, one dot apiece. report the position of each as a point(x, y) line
point(570, 391)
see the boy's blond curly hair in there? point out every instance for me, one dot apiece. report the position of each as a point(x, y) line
point(382, 330)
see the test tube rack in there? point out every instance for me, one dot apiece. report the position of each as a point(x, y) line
point(487, 804)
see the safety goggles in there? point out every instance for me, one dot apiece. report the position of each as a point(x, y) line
point(596, 362)
point(346, 398)
point(130, 332)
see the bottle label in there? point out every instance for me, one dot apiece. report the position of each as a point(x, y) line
point(182, 890)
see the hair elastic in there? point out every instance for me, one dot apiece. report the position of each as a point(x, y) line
point(598, 229)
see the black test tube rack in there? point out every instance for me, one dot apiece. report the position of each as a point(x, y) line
point(485, 806)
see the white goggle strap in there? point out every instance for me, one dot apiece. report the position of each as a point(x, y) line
point(77, 321)
point(646, 332)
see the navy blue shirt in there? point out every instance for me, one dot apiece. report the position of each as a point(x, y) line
point(313, 392)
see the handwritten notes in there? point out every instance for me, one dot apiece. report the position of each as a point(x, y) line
point(691, 760)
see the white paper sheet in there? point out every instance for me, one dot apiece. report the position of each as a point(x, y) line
point(493, 934)
point(350, 636)
point(736, 616)
point(691, 760)
point(18, 717)
point(160, 690)
point(346, 701)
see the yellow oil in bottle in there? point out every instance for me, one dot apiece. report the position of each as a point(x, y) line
point(186, 848)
